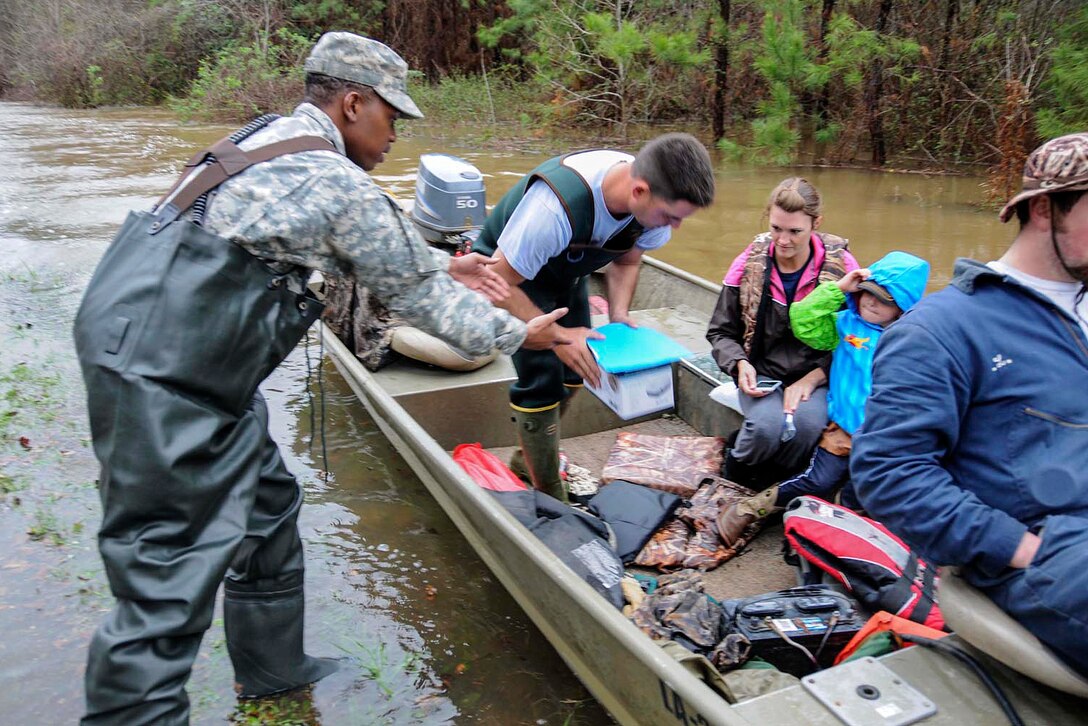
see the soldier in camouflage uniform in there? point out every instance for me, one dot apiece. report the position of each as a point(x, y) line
point(186, 314)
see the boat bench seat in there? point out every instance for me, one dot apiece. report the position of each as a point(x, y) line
point(975, 618)
point(441, 400)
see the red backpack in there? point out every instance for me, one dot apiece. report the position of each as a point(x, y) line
point(871, 562)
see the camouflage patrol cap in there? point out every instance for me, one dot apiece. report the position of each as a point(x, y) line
point(1059, 165)
point(878, 291)
point(367, 62)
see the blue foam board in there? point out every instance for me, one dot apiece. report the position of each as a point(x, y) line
point(626, 349)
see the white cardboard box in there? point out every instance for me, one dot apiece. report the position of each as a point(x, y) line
point(637, 393)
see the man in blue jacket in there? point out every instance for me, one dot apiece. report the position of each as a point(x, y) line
point(974, 447)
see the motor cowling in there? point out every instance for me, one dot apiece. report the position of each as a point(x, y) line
point(449, 206)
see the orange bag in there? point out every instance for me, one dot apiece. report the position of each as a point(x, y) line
point(486, 469)
point(882, 621)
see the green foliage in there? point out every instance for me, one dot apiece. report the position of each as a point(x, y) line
point(94, 85)
point(520, 25)
point(785, 62)
point(828, 134)
point(678, 49)
point(603, 64)
point(620, 44)
point(191, 31)
point(247, 79)
point(321, 15)
point(774, 140)
point(460, 100)
point(784, 56)
point(851, 50)
point(610, 62)
point(1066, 87)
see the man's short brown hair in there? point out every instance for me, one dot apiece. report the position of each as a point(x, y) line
point(1063, 202)
point(676, 166)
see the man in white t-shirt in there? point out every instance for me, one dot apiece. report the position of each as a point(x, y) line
point(570, 216)
point(975, 443)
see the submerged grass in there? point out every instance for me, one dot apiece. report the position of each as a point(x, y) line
point(388, 672)
point(46, 527)
point(27, 404)
point(290, 709)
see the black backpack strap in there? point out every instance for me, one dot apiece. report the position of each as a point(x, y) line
point(229, 160)
point(927, 596)
point(203, 156)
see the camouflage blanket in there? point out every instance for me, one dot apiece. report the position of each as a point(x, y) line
point(676, 464)
point(679, 610)
point(691, 540)
point(359, 319)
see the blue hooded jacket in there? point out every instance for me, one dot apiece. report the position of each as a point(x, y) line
point(904, 276)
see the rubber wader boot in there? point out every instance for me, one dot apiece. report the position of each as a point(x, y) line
point(264, 639)
point(538, 434)
point(734, 518)
point(517, 459)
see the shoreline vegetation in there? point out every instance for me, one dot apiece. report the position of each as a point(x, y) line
point(929, 85)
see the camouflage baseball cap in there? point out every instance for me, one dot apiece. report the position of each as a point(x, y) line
point(878, 291)
point(1060, 164)
point(367, 62)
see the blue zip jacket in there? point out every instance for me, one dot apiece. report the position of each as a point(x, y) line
point(820, 321)
point(977, 426)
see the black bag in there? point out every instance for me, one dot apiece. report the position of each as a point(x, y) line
point(635, 513)
point(577, 538)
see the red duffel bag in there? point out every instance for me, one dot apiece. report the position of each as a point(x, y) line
point(486, 469)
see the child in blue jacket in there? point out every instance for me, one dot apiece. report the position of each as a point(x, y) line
point(847, 316)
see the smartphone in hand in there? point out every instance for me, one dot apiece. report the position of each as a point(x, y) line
point(768, 386)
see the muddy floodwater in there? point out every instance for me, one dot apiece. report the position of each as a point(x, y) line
point(426, 634)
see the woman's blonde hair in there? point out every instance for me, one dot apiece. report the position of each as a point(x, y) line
point(796, 195)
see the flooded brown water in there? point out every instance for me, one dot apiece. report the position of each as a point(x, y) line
point(427, 635)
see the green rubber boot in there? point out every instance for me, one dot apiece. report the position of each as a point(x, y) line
point(517, 465)
point(517, 459)
point(538, 434)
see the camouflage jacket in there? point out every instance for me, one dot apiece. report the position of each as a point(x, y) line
point(318, 210)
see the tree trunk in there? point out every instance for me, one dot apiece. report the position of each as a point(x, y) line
point(944, 82)
point(721, 68)
point(876, 91)
point(823, 101)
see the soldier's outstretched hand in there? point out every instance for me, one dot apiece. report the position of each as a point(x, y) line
point(579, 358)
point(474, 272)
point(544, 334)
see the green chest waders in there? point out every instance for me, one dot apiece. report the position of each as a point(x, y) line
point(177, 329)
point(544, 384)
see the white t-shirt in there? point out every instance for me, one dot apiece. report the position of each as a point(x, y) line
point(538, 230)
point(1064, 294)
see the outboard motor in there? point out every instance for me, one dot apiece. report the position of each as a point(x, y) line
point(449, 203)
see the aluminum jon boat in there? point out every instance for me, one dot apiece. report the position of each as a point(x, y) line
point(424, 412)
